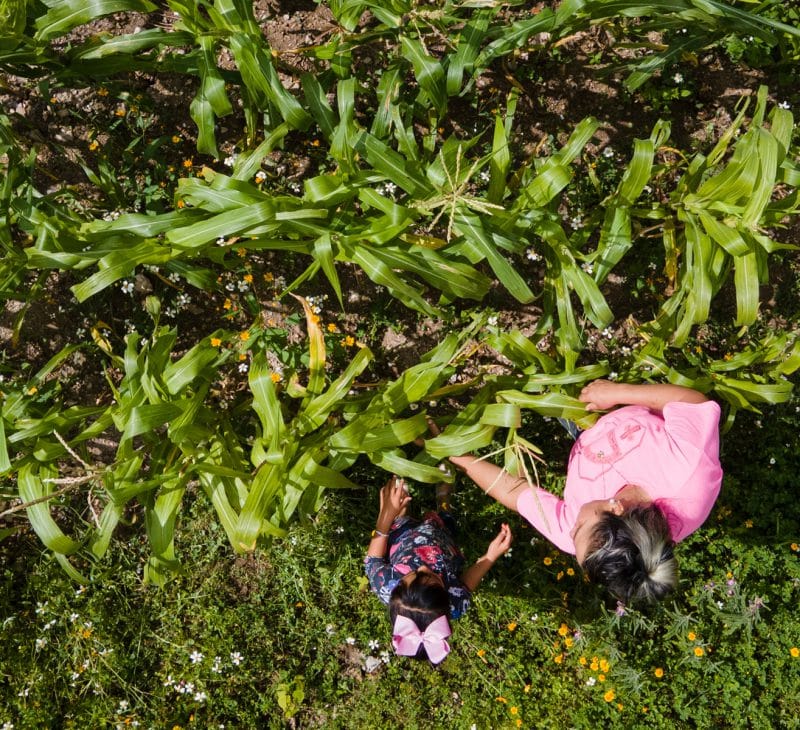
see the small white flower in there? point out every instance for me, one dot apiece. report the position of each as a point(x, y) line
point(24, 692)
point(123, 705)
point(169, 681)
point(182, 300)
point(535, 617)
point(216, 667)
point(41, 643)
point(221, 241)
point(127, 286)
point(8, 726)
point(772, 461)
point(40, 607)
point(492, 321)
point(608, 151)
point(591, 682)
point(374, 644)
point(243, 286)
point(720, 604)
point(484, 176)
point(678, 78)
point(784, 105)
point(200, 697)
point(242, 367)
point(531, 255)
point(49, 625)
point(230, 160)
point(413, 406)
point(385, 657)
point(196, 657)
point(350, 640)
point(261, 176)
point(330, 629)
point(587, 267)
point(174, 277)
point(613, 375)
point(236, 658)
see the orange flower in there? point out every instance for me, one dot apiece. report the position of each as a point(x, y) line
point(609, 696)
point(244, 336)
point(512, 626)
point(795, 652)
point(216, 342)
point(604, 665)
point(558, 658)
point(187, 163)
point(548, 561)
point(691, 636)
point(275, 377)
point(563, 630)
point(248, 278)
point(698, 651)
point(659, 672)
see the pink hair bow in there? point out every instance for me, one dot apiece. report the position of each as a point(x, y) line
point(407, 637)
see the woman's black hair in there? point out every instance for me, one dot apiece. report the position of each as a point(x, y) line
point(422, 601)
point(632, 555)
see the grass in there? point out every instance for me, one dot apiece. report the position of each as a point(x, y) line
point(170, 332)
point(292, 636)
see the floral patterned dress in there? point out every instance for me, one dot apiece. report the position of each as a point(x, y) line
point(413, 544)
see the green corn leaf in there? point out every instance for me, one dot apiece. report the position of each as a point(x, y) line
point(470, 41)
point(230, 223)
point(746, 281)
point(262, 497)
point(395, 463)
point(429, 72)
point(31, 485)
point(65, 15)
point(147, 418)
point(458, 440)
point(504, 415)
point(265, 400)
point(318, 104)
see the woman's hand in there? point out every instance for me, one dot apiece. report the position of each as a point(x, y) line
point(600, 395)
point(501, 544)
point(394, 499)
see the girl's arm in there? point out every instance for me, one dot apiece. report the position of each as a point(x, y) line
point(473, 575)
point(394, 500)
point(493, 480)
point(602, 395)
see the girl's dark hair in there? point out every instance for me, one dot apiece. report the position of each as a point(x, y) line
point(420, 600)
point(632, 555)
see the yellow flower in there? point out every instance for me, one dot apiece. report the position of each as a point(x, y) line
point(559, 575)
point(513, 710)
point(227, 304)
point(795, 652)
point(93, 145)
point(102, 92)
point(176, 138)
point(620, 706)
point(698, 651)
point(748, 523)
point(548, 561)
point(242, 357)
point(244, 336)
point(33, 390)
point(120, 112)
point(181, 204)
point(568, 642)
point(248, 278)
point(512, 626)
point(593, 666)
point(526, 688)
point(188, 163)
point(558, 658)
point(269, 277)
point(601, 677)
point(481, 652)
point(794, 546)
point(216, 342)
point(582, 661)
point(315, 143)
point(241, 252)
point(570, 571)
point(659, 672)
point(609, 696)
point(275, 377)
point(604, 665)
point(691, 636)
point(349, 341)
point(563, 630)
point(503, 700)
point(519, 722)
point(332, 328)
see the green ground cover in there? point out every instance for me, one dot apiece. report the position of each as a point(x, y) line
point(246, 250)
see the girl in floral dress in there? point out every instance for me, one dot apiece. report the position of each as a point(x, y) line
point(417, 569)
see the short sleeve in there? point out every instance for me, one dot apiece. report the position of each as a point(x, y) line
point(382, 577)
point(459, 600)
point(546, 513)
point(696, 424)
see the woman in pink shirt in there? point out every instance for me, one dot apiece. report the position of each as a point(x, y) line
point(642, 478)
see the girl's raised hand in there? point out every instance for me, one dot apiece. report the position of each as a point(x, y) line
point(394, 498)
point(600, 395)
point(501, 543)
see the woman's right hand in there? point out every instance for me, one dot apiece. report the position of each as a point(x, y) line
point(600, 395)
